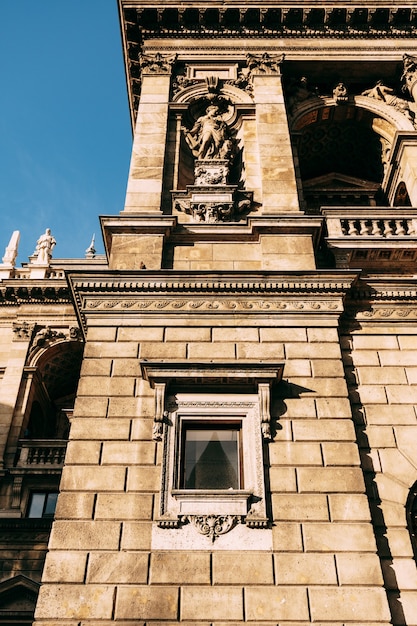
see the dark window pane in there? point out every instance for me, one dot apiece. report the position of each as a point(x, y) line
point(42, 504)
point(50, 504)
point(36, 505)
point(211, 458)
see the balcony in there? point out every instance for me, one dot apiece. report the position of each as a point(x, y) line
point(41, 454)
point(372, 238)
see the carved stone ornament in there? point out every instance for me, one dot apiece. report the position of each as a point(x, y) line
point(212, 526)
point(74, 333)
point(158, 423)
point(10, 254)
point(409, 75)
point(264, 63)
point(45, 336)
point(387, 95)
point(22, 331)
point(157, 63)
point(340, 93)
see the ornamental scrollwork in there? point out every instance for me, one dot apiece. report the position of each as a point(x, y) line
point(212, 526)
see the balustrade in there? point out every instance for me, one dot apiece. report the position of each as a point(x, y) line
point(41, 452)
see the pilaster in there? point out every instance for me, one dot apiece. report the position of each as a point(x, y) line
point(144, 189)
point(279, 188)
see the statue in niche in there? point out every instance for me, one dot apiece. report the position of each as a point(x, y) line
point(208, 138)
point(44, 247)
point(386, 94)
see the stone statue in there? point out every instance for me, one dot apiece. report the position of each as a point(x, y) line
point(207, 138)
point(386, 94)
point(409, 75)
point(44, 247)
point(340, 93)
point(298, 91)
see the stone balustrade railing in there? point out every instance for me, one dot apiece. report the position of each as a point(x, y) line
point(371, 223)
point(41, 452)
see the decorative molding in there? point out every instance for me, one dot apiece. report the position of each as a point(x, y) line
point(210, 305)
point(248, 505)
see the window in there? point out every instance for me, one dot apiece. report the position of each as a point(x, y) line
point(211, 456)
point(212, 426)
point(42, 504)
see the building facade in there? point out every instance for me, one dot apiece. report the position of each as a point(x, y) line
point(224, 408)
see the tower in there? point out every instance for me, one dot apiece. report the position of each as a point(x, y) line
point(243, 441)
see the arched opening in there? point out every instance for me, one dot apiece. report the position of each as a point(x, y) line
point(342, 157)
point(401, 197)
point(52, 393)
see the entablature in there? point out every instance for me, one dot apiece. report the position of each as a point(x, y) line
point(166, 293)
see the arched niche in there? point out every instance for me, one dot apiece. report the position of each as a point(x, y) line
point(344, 149)
point(187, 106)
point(53, 373)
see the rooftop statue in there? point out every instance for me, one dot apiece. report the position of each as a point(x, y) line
point(44, 247)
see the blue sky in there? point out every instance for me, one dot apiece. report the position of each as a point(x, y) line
point(65, 134)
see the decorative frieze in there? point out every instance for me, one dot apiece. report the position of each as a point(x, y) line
point(217, 304)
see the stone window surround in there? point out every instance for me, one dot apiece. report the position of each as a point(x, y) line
point(227, 391)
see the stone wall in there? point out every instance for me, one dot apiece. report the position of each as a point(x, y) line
point(102, 563)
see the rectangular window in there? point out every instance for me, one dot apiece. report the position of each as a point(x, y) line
point(42, 504)
point(211, 456)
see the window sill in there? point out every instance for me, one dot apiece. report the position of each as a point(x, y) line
point(223, 501)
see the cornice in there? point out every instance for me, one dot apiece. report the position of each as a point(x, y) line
point(167, 281)
point(385, 299)
point(16, 292)
point(191, 293)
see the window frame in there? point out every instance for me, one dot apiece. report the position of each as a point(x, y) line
point(229, 390)
point(46, 495)
point(200, 425)
point(246, 503)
